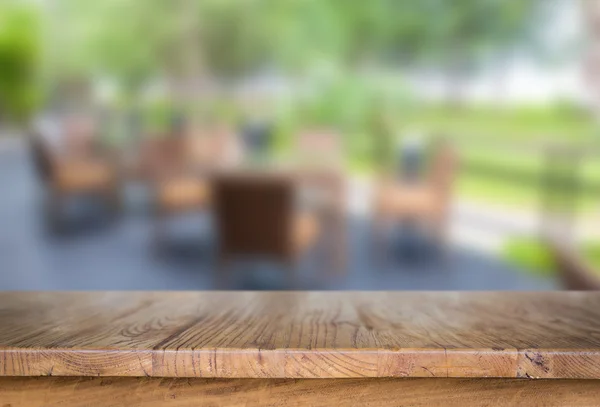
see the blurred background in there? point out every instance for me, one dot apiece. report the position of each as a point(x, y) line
point(299, 144)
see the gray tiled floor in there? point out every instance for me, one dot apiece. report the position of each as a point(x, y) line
point(118, 255)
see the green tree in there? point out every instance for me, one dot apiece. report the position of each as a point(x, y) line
point(19, 60)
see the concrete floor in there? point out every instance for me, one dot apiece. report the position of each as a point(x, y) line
point(118, 255)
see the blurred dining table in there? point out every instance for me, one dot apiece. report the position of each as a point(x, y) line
point(320, 189)
point(320, 185)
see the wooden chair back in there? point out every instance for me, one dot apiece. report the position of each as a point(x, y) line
point(212, 147)
point(443, 170)
point(79, 136)
point(254, 215)
point(161, 156)
point(41, 157)
point(320, 147)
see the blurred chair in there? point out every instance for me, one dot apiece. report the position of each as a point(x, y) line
point(159, 156)
point(164, 164)
point(319, 168)
point(427, 201)
point(177, 195)
point(213, 147)
point(319, 147)
point(256, 216)
point(80, 136)
point(179, 167)
point(76, 169)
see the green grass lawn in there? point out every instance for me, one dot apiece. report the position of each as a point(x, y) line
point(502, 155)
point(523, 124)
point(506, 192)
point(531, 255)
point(591, 253)
point(519, 179)
point(535, 257)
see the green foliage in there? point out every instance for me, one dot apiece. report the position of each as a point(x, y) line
point(560, 123)
point(531, 255)
point(133, 40)
point(19, 59)
point(591, 254)
point(129, 41)
point(536, 257)
point(368, 111)
point(157, 117)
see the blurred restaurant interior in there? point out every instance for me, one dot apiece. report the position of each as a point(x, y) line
point(299, 145)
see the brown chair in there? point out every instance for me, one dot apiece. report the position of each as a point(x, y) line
point(177, 188)
point(42, 161)
point(427, 202)
point(178, 166)
point(64, 175)
point(79, 136)
point(319, 148)
point(256, 216)
point(320, 157)
point(320, 171)
point(211, 148)
point(158, 157)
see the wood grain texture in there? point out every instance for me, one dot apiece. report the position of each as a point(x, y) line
point(301, 334)
point(150, 392)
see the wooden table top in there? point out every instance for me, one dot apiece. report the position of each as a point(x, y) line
point(300, 334)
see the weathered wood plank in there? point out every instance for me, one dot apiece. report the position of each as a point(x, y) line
point(149, 392)
point(301, 334)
